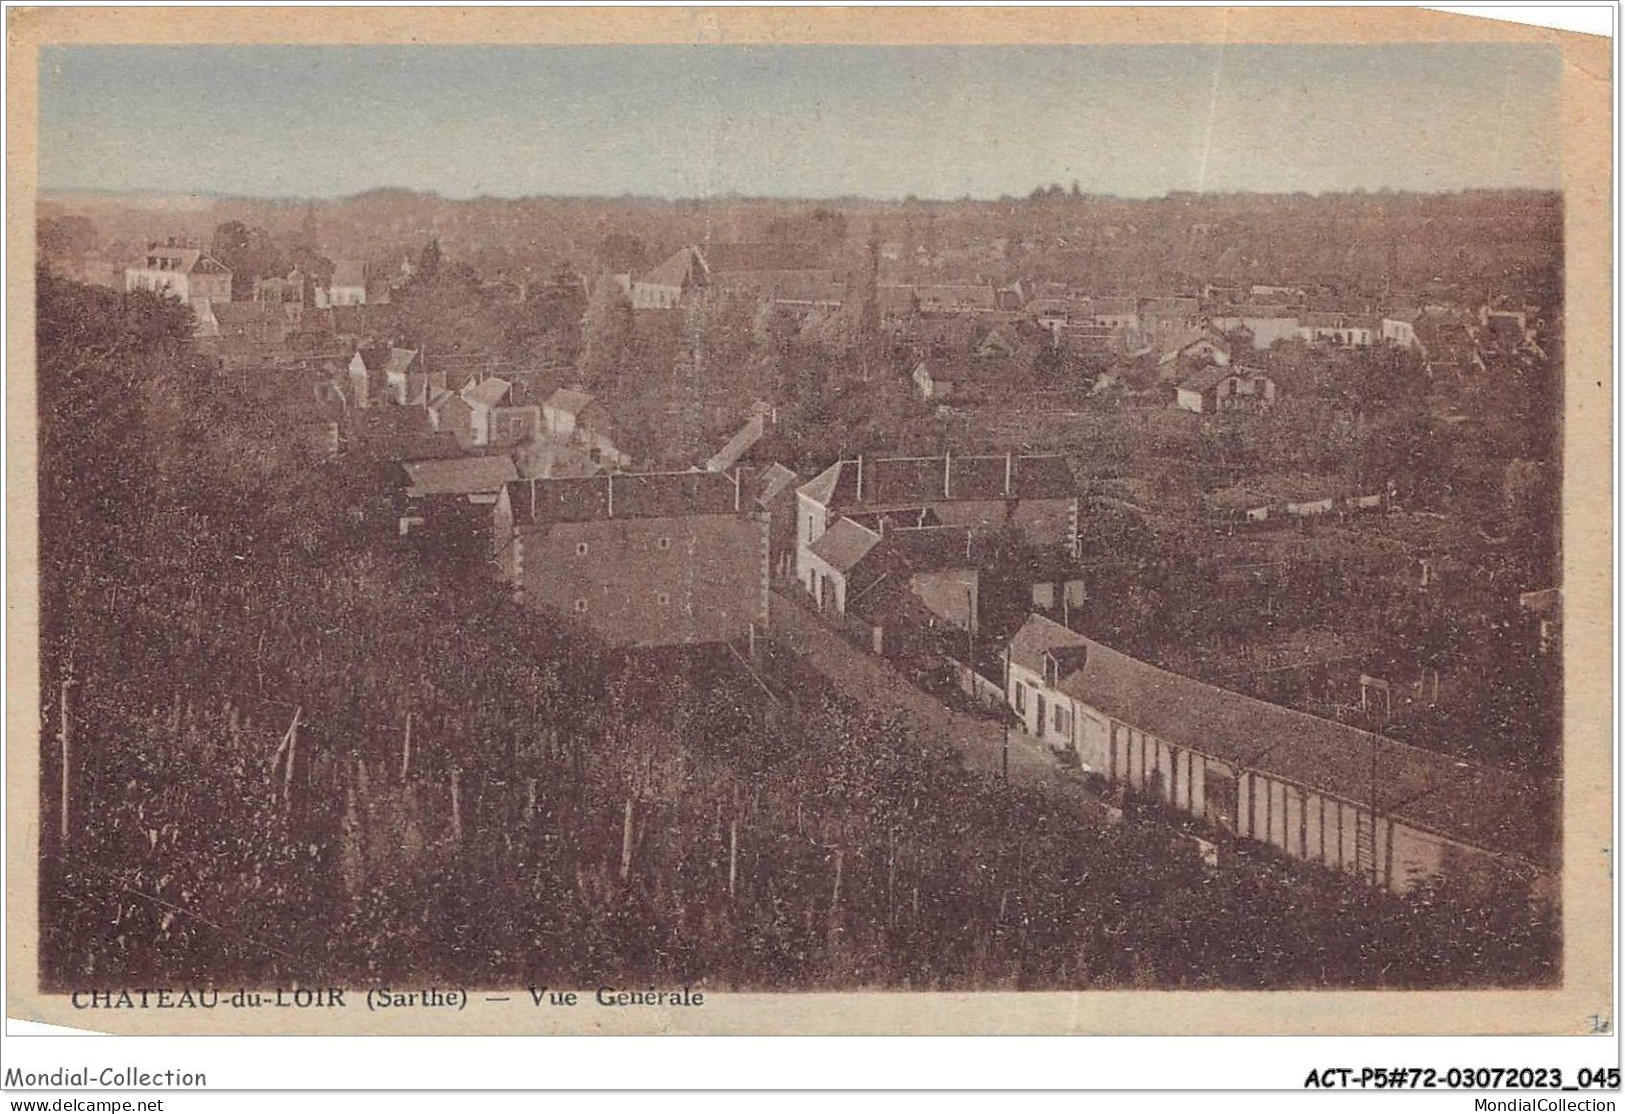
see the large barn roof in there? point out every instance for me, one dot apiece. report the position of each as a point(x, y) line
point(1477, 805)
point(912, 481)
point(628, 495)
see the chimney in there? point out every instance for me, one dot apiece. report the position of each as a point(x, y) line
point(1009, 467)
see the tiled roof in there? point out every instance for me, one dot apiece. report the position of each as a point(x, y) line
point(400, 360)
point(459, 476)
point(544, 458)
point(1477, 805)
point(248, 317)
point(802, 291)
point(1039, 636)
point(634, 495)
point(568, 401)
point(931, 548)
point(821, 488)
point(1177, 709)
point(1183, 339)
point(1206, 379)
point(912, 481)
point(1113, 306)
point(489, 392)
point(957, 296)
point(738, 445)
point(186, 260)
point(388, 359)
point(902, 479)
point(1043, 477)
point(1172, 307)
point(772, 482)
point(1487, 808)
point(844, 544)
point(349, 272)
point(978, 477)
point(732, 257)
point(674, 271)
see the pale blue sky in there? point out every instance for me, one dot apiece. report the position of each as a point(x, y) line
point(681, 121)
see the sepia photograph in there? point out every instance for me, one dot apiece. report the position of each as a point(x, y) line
point(598, 533)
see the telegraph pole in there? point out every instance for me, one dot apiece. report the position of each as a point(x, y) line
point(66, 739)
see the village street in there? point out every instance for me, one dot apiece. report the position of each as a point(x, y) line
point(871, 680)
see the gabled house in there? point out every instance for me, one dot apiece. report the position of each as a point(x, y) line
point(1115, 312)
point(484, 398)
point(773, 489)
point(575, 417)
point(1036, 495)
point(543, 458)
point(186, 273)
point(1190, 344)
point(439, 493)
point(997, 344)
point(1216, 388)
point(478, 477)
point(1399, 327)
point(279, 289)
point(380, 375)
point(1159, 317)
point(1343, 329)
point(867, 567)
point(347, 288)
point(1039, 656)
point(513, 425)
point(935, 380)
point(760, 268)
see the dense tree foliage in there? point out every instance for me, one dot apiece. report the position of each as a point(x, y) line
point(474, 793)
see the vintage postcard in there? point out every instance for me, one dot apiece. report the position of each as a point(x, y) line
point(753, 521)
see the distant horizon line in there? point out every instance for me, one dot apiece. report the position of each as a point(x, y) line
point(636, 198)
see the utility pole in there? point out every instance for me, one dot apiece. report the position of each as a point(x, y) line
point(66, 739)
point(406, 748)
point(1376, 875)
point(1005, 760)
